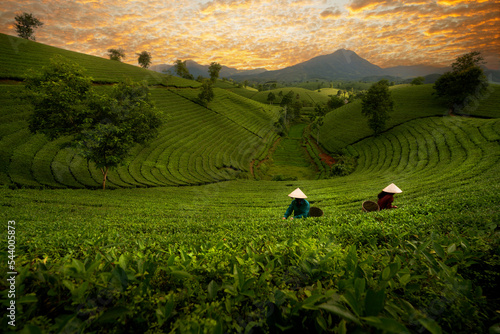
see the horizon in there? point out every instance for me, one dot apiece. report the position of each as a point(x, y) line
point(275, 34)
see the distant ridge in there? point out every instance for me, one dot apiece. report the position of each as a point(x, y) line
point(341, 65)
point(202, 70)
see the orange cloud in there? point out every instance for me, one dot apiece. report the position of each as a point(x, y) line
point(330, 12)
point(267, 33)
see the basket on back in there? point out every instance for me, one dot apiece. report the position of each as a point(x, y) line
point(315, 212)
point(369, 206)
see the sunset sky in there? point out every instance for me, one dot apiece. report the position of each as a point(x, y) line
point(273, 34)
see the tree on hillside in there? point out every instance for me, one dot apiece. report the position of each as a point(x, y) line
point(182, 70)
point(116, 54)
point(144, 59)
point(26, 24)
point(464, 83)
point(376, 105)
point(418, 81)
point(214, 70)
point(296, 108)
point(319, 115)
point(335, 102)
point(207, 93)
point(271, 97)
point(105, 127)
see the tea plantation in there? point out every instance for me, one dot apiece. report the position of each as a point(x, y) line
point(183, 245)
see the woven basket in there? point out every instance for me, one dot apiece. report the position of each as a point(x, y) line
point(315, 212)
point(369, 206)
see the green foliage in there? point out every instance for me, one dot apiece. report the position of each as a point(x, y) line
point(106, 127)
point(213, 71)
point(193, 262)
point(207, 93)
point(59, 95)
point(116, 54)
point(144, 59)
point(418, 81)
point(376, 106)
point(26, 24)
point(120, 121)
point(271, 97)
point(464, 83)
point(335, 102)
point(182, 70)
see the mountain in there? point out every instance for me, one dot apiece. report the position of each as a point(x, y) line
point(340, 65)
point(202, 70)
point(414, 71)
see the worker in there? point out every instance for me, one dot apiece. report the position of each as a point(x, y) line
point(386, 197)
point(299, 206)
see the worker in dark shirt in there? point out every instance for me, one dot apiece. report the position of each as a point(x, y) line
point(386, 197)
point(299, 206)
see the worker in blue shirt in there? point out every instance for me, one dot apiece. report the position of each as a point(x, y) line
point(299, 206)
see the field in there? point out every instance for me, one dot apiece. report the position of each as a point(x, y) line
point(187, 241)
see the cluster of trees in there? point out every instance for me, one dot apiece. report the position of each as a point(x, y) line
point(104, 126)
point(144, 58)
point(207, 94)
point(460, 87)
point(464, 84)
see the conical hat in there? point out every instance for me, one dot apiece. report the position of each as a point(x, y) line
point(297, 193)
point(392, 188)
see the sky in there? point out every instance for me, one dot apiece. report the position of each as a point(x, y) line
point(271, 34)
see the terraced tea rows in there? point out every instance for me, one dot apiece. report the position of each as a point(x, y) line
point(410, 102)
point(432, 155)
point(190, 147)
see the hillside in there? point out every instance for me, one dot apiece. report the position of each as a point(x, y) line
point(196, 70)
point(18, 55)
point(410, 102)
point(196, 145)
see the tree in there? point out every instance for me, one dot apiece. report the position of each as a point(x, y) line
point(335, 102)
point(465, 82)
point(418, 81)
point(116, 54)
point(182, 70)
point(271, 97)
point(207, 93)
point(105, 127)
point(296, 108)
point(59, 96)
point(376, 106)
point(121, 120)
point(319, 115)
point(26, 24)
point(144, 59)
point(214, 70)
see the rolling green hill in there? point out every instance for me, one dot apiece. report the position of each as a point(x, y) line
point(196, 144)
point(17, 55)
point(346, 125)
point(309, 97)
